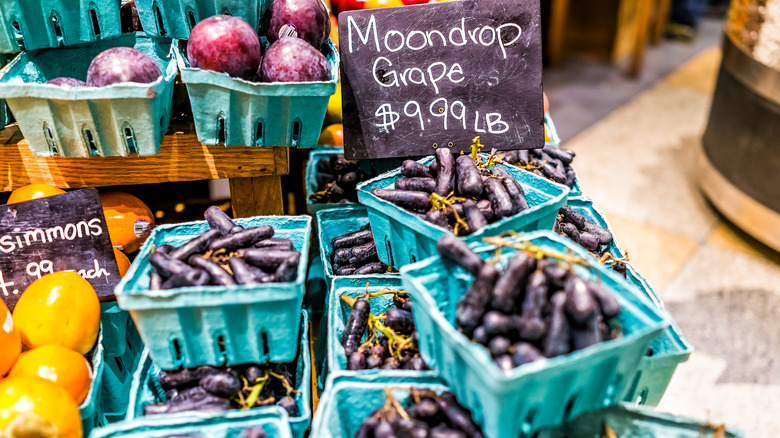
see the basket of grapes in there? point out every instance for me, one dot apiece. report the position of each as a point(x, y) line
point(109, 98)
point(386, 406)
point(271, 91)
point(176, 18)
point(243, 389)
point(41, 24)
point(528, 331)
point(470, 197)
point(218, 291)
point(371, 329)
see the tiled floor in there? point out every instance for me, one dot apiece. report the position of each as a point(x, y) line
point(722, 287)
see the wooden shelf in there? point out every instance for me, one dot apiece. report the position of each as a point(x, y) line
point(254, 172)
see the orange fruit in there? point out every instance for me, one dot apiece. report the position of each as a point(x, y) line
point(10, 342)
point(63, 366)
point(36, 407)
point(372, 4)
point(122, 262)
point(60, 308)
point(546, 103)
point(333, 113)
point(333, 135)
point(129, 220)
point(33, 191)
point(334, 30)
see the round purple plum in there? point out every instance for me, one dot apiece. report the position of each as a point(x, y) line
point(292, 59)
point(122, 64)
point(224, 44)
point(310, 18)
point(66, 82)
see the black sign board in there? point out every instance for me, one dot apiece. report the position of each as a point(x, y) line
point(59, 233)
point(419, 77)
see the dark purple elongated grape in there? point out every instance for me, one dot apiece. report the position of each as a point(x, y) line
point(418, 184)
point(168, 266)
point(198, 244)
point(184, 377)
point(474, 217)
point(499, 198)
point(436, 217)
point(589, 241)
point(413, 169)
point(588, 334)
point(355, 238)
point(266, 259)
point(224, 384)
point(399, 320)
point(556, 342)
point(194, 277)
point(155, 281)
point(609, 305)
point(457, 415)
point(371, 268)
point(243, 272)
point(356, 361)
point(605, 237)
point(563, 155)
point(580, 304)
point(405, 198)
point(487, 209)
point(472, 304)
point(290, 405)
point(446, 171)
point(217, 219)
point(243, 238)
point(287, 270)
point(526, 353)
point(355, 327)
point(458, 251)
point(533, 326)
point(357, 255)
point(499, 346)
point(509, 285)
point(513, 188)
point(469, 181)
point(276, 243)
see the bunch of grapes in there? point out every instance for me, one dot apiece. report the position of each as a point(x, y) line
point(461, 195)
point(537, 308)
point(582, 231)
point(391, 342)
point(548, 162)
point(225, 255)
point(218, 389)
point(426, 414)
point(355, 253)
point(337, 180)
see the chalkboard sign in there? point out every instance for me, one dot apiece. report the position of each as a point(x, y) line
point(419, 77)
point(59, 233)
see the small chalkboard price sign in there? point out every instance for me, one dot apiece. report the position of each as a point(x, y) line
point(58, 233)
point(415, 78)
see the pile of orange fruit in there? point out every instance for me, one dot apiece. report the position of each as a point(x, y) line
point(44, 375)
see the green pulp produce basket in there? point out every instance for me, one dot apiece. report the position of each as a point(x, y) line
point(540, 394)
point(235, 112)
point(41, 24)
point(403, 238)
point(311, 185)
point(176, 18)
point(118, 375)
point(338, 313)
point(116, 120)
point(216, 325)
point(146, 388)
point(625, 420)
point(668, 350)
point(335, 222)
point(273, 420)
point(351, 399)
point(91, 409)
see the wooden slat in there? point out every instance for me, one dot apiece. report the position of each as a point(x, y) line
point(644, 7)
point(256, 196)
point(181, 158)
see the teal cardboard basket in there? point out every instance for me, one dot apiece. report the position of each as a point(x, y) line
point(217, 325)
point(311, 185)
point(630, 421)
point(273, 420)
point(338, 313)
point(668, 350)
point(117, 120)
point(403, 238)
point(335, 222)
point(541, 394)
point(118, 375)
point(145, 384)
point(176, 18)
point(235, 112)
point(91, 409)
point(350, 399)
point(40, 24)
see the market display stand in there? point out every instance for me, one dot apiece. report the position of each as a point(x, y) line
point(254, 173)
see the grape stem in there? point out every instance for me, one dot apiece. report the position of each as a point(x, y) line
point(502, 242)
point(285, 383)
point(395, 404)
